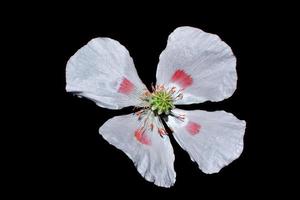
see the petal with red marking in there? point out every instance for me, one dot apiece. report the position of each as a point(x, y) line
point(151, 154)
point(212, 139)
point(200, 63)
point(104, 72)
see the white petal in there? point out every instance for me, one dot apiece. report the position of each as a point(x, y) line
point(104, 72)
point(205, 66)
point(212, 139)
point(153, 155)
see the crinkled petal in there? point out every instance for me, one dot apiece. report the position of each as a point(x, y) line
point(200, 64)
point(104, 72)
point(152, 154)
point(212, 139)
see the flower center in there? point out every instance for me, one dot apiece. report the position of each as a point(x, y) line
point(161, 102)
point(156, 104)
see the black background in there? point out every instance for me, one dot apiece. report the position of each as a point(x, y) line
point(67, 155)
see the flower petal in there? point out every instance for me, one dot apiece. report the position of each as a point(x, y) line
point(104, 72)
point(152, 154)
point(200, 63)
point(212, 139)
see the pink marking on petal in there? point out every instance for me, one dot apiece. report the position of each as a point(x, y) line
point(126, 86)
point(193, 128)
point(182, 78)
point(142, 137)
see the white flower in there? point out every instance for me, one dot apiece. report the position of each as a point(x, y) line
point(195, 67)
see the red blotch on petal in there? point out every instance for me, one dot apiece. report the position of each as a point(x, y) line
point(182, 78)
point(142, 137)
point(193, 128)
point(126, 86)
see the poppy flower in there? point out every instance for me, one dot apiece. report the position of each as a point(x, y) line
point(194, 67)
